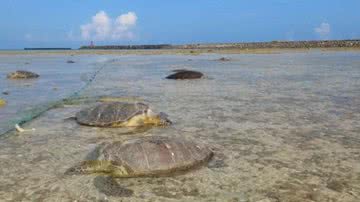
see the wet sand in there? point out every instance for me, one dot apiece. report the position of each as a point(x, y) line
point(284, 127)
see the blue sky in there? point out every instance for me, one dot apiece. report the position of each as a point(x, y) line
point(71, 23)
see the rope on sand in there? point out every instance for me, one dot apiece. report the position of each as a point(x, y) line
point(42, 109)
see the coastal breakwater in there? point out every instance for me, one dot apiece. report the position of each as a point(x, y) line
point(47, 48)
point(128, 47)
point(247, 45)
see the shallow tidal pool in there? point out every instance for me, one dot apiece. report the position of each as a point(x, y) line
point(283, 127)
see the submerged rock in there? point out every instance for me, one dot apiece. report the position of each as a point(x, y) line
point(70, 61)
point(21, 74)
point(148, 156)
point(185, 74)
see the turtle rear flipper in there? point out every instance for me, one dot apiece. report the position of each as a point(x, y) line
point(88, 167)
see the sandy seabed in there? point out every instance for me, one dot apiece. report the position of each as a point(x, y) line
point(284, 127)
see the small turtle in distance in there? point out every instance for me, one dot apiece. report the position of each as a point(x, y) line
point(21, 74)
point(182, 74)
point(224, 59)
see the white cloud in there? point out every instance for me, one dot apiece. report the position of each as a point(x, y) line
point(323, 30)
point(128, 19)
point(123, 26)
point(102, 27)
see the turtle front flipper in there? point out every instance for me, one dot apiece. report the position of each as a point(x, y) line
point(137, 130)
point(110, 187)
point(120, 170)
point(88, 167)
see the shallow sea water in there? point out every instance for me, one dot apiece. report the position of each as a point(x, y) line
point(283, 127)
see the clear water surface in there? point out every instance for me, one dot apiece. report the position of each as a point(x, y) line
point(284, 127)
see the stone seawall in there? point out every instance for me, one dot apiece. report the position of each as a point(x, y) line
point(251, 45)
point(277, 44)
point(128, 47)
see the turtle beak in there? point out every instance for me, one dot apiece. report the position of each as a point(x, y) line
point(164, 120)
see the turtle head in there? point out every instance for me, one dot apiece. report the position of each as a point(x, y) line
point(160, 119)
point(164, 120)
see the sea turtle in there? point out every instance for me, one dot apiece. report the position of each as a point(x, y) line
point(21, 74)
point(144, 157)
point(185, 74)
point(120, 114)
point(224, 59)
point(119, 99)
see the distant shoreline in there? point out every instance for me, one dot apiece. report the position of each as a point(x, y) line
point(274, 47)
point(47, 48)
point(247, 45)
point(191, 52)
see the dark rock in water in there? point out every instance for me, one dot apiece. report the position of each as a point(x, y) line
point(186, 74)
point(20, 74)
point(144, 157)
point(109, 187)
point(224, 59)
point(70, 61)
point(6, 93)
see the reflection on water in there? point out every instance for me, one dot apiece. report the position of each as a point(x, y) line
point(284, 127)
